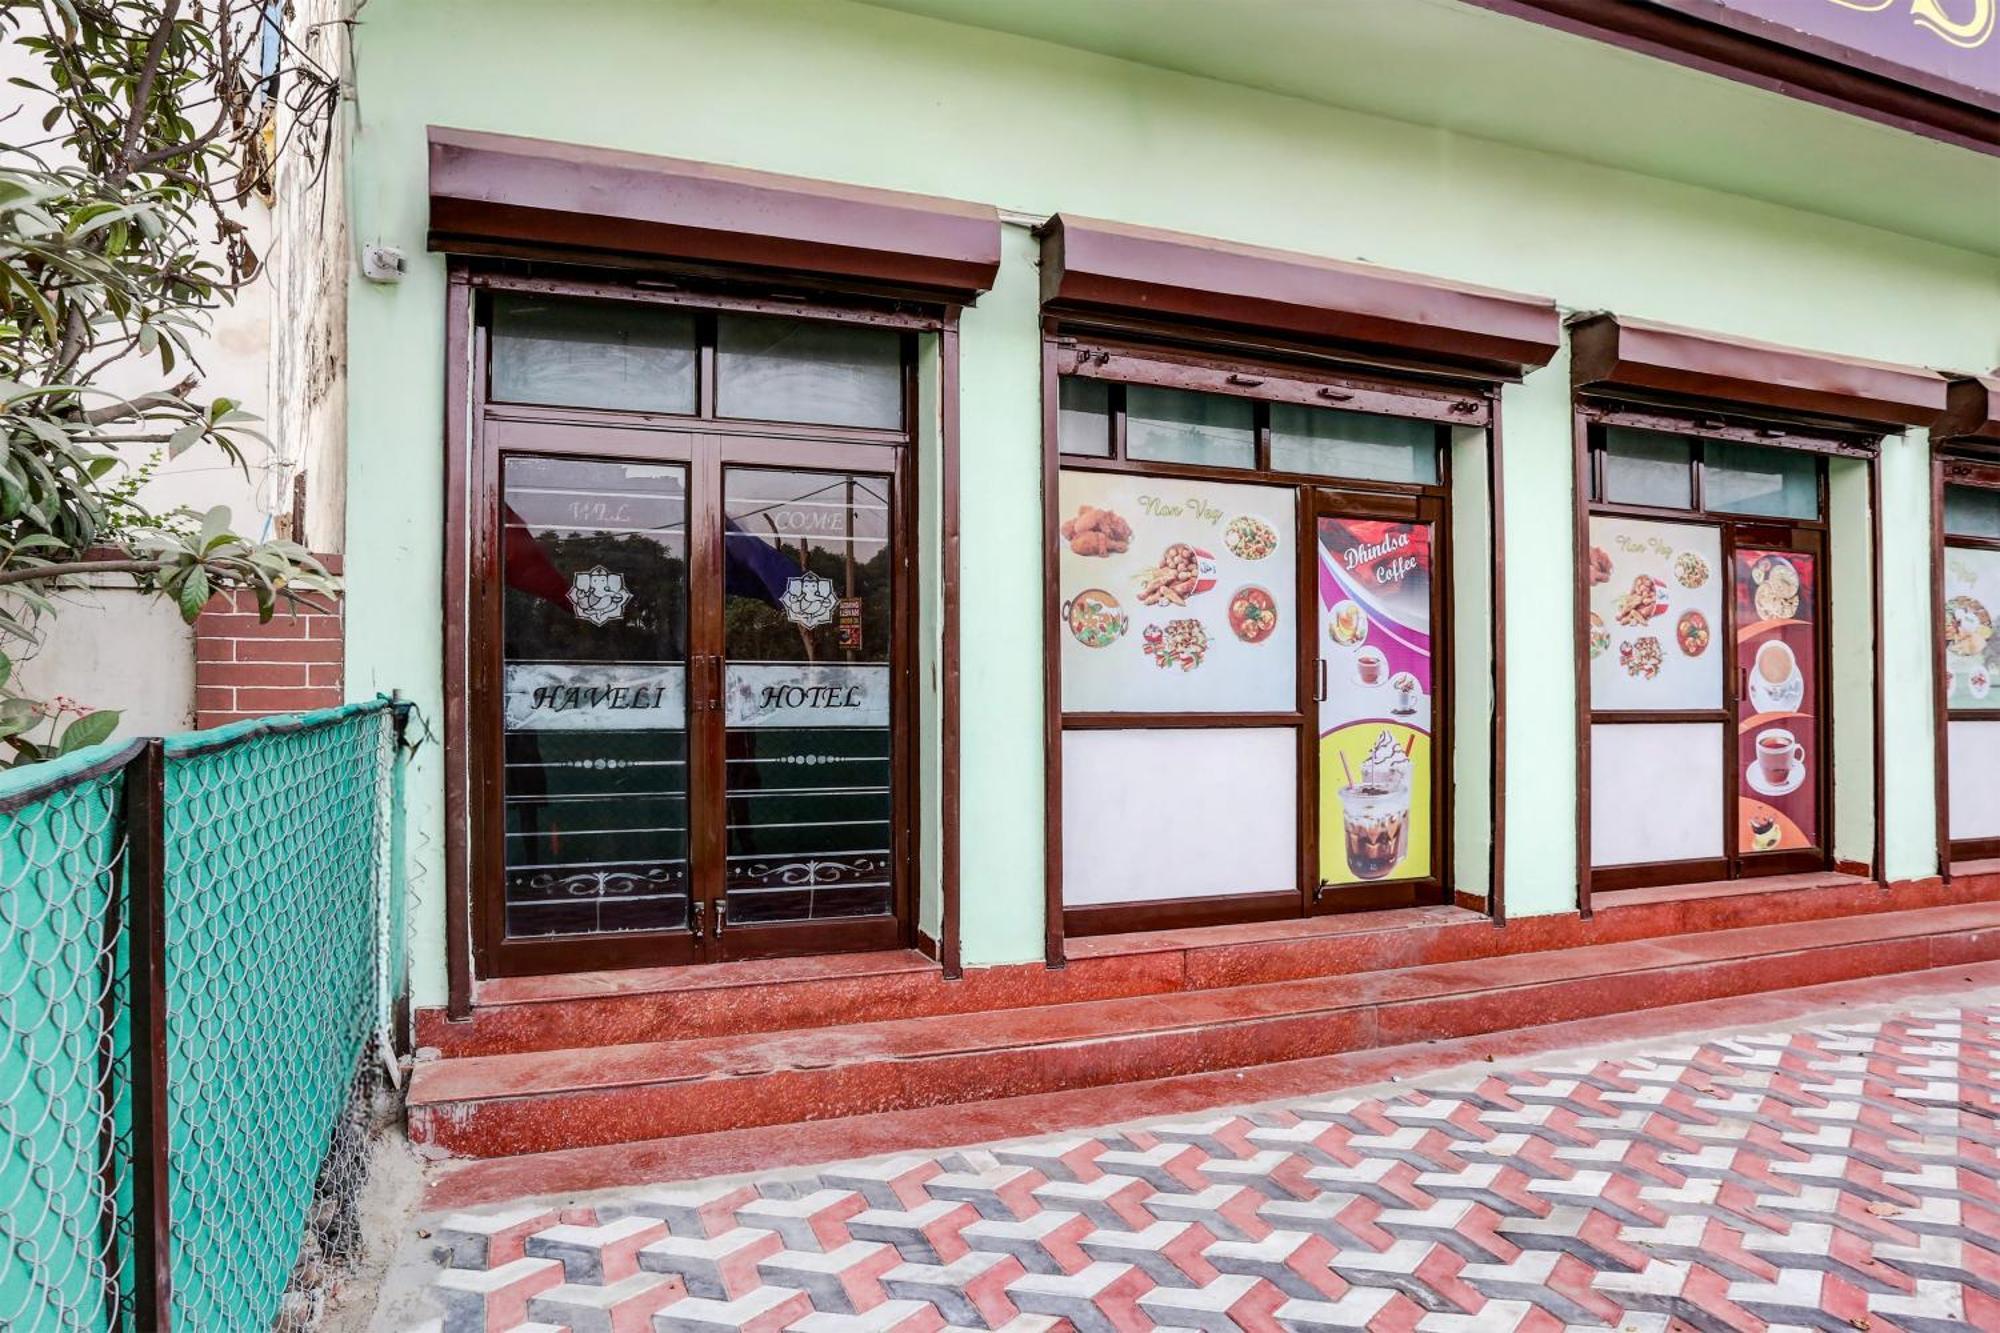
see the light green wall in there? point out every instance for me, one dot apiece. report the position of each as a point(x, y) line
point(851, 93)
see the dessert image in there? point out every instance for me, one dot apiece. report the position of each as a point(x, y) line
point(1764, 832)
point(1253, 614)
point(1690, 570)
point(1375, 810)
point(1182, 572)
point(1600, 637)
point(1095, 618)
point(1096, 532)
point(1646, 600)
point(1348, 624)
point(1249, 537)
point(1181, 643)
point(1777, 581)
point(1641, 657)
point(1979, 682)
point(1968, 625)
point(1599, 568)
point(1691, 632)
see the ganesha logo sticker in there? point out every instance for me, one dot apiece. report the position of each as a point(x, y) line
point(808, 600)
point(598, 595)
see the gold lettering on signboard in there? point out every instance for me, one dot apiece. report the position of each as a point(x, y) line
point(1967, 32)
point(1971, 31)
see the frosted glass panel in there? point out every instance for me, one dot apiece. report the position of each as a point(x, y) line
point(1328, 442)
point(1178, 426)
point(625, 356)
point(1744, 479)
point(799, 370)
point(1655, 792)
point(1083, 417)
point(1152, 815)
point(1971, 511)
point(1648, 467)
point(1975, 779)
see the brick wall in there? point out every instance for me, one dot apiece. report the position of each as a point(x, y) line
point(247, 668)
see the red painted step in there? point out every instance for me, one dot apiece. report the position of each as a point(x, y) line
point(669, 1004)
point(473, 1183)
point(486, 1106)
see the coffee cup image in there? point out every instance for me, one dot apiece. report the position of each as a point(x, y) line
point(1371, 667)
point(1776, 684)
point(1778, 752)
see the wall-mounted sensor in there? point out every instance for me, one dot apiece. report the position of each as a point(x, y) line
point(383, 263)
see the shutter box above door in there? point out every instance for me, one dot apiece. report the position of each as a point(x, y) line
point(1123, 271)
point(1630, 358)
point(497, 194)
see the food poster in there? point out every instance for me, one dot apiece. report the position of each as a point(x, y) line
point(1176, 596)
point(1777, 760)
point(1971, 649)
point(1375, 716)
point(1655, 609)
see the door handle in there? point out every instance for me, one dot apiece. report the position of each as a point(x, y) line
point(1319, 683)
point(694, 919)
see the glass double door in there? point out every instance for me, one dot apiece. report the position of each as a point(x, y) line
point(700, 682)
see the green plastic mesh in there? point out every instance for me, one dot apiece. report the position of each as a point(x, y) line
point(65, 1166)
point(276, 904)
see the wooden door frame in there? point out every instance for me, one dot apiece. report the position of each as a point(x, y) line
point(1590, 417)
point(1970, 468)
point(1435, 510)
point(467, 539)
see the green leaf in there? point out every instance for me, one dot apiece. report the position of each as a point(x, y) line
point(90, 729)
point(184, 438)
point(194, 594)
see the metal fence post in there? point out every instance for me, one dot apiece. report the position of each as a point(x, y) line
point(146, 868)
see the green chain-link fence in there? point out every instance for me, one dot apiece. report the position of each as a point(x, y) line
point(232, 897)
point(65, 1165)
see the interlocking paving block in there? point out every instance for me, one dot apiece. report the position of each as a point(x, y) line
point(1832, 1177)
point(487, 1240)
point(970, 1291)
point(888, 1317)
point(814, 1221)
point(1099, 1298)
point(476, 1300)
point(695, 1210)
point(928, 1234)
point(624, 1306)
point(846, 1280)
point(719, 1268)
point(764, 1310)
point(600, 1254)
point(1044, 1243)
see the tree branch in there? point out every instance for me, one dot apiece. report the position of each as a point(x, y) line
point(78, 568)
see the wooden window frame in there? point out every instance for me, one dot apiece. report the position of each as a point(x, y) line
point(1135, 353)
point(1967, 466)
point(1593, 418)
point(475, 426)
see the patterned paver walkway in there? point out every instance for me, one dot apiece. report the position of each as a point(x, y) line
point(1843, 1176)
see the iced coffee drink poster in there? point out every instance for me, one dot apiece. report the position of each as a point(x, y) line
point(1375, 715)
